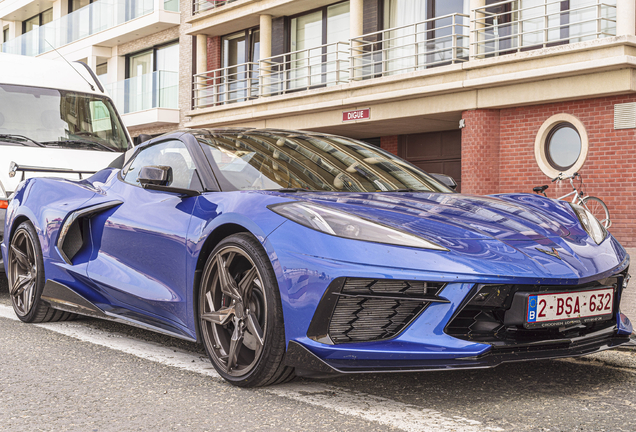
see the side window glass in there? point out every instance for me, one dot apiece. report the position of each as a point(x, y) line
point(171, 153)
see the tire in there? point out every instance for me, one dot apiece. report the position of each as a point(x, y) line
point(26, 278)
point(241, 316)
point(597, 207)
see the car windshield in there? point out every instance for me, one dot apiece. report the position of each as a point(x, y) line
point(271, 160)
point(59, 118)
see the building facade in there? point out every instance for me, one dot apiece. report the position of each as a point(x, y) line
point(501, 95)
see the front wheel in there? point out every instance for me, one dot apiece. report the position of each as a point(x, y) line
point(241, 316)
point(597, 207)
point(26, 278)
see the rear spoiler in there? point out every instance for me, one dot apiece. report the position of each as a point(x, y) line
point(14, 168)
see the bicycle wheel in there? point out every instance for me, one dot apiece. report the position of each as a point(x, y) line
point(597, 207)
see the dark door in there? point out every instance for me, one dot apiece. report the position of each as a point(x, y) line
point(435, 152)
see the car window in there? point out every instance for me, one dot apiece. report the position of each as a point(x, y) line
point(170, 153)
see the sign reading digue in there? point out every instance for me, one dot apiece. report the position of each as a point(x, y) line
point(363, 114)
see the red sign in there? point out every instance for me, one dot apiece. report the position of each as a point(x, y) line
point(363, 114)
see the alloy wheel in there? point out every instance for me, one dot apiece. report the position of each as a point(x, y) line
point(23, 272)
point(233, 311)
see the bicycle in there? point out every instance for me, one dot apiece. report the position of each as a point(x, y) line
point(595, 205)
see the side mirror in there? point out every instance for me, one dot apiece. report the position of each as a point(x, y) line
point(157, 178)
point(446, 180)
point(154, 175)
point(143, 138)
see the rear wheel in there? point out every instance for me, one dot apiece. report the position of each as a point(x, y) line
point(598, 208)
point(241, 315)
point(26, 278)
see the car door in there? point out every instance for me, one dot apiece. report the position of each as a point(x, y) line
point(139, 254)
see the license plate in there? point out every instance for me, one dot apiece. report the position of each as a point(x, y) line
point(557, 309)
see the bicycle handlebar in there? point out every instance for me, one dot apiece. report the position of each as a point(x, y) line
point(560, 177)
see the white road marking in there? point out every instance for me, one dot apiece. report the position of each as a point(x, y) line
point(409, 418)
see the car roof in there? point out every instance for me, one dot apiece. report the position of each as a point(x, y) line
point(54, 74)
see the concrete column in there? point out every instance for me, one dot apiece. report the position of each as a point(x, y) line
point(265, 52)
point(202, 54)
point(202, 66)
point(266, 36)
point(474, 4)
point(625, 17)
point(356, 20)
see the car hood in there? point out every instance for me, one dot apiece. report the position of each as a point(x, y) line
point(445, 217)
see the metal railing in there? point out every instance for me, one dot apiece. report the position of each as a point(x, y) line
point(321, 66)
point(199, 6)
point(226, 85)
point(158, 89)
point(520, 25)
point(434, 42)
point(94, 18)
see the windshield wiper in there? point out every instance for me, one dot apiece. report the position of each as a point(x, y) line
point(20, 138)
point(95, 143)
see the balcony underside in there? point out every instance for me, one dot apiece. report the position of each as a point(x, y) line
point(153, 117)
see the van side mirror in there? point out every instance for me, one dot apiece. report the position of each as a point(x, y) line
point(446, 180)
point(143, 138)
point(154, 175)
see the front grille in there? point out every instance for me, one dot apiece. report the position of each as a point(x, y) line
point(491, 315)
point(364, 310)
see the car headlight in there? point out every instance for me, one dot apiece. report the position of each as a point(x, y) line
point(342, 224)
point(591, 225)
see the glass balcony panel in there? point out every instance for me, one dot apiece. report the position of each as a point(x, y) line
point(158, 89)
point(94, 18)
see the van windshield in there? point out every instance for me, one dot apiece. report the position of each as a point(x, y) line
point(34, 116)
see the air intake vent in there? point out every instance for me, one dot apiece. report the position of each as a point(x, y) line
point(375, 309)
point(625, 116)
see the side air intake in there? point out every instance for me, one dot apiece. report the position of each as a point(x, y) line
point(74, 233)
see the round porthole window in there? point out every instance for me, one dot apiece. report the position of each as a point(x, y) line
point(561, 145)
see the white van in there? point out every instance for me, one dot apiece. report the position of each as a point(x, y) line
point(55, 119)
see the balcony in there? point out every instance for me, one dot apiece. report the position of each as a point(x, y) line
point(147, 100)
point(95, 19)
point(436, 42)
point(503, 28)
point(203, 5)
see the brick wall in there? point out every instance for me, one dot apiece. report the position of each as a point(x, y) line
point(608, 172)
point(390, 143)
point(480, 152)
point(214, 53)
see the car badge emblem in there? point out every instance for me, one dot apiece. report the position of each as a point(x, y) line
point(552, 252)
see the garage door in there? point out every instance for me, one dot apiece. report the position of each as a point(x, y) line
point(434, 152)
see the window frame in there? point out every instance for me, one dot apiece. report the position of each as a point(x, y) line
point(39, 17)
point(204, 172)
point(545, 130)
point(548, 144)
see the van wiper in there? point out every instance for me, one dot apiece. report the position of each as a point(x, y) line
point(20, 139)
point(84, 142)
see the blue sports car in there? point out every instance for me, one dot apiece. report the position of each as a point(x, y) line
point(289, 253)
